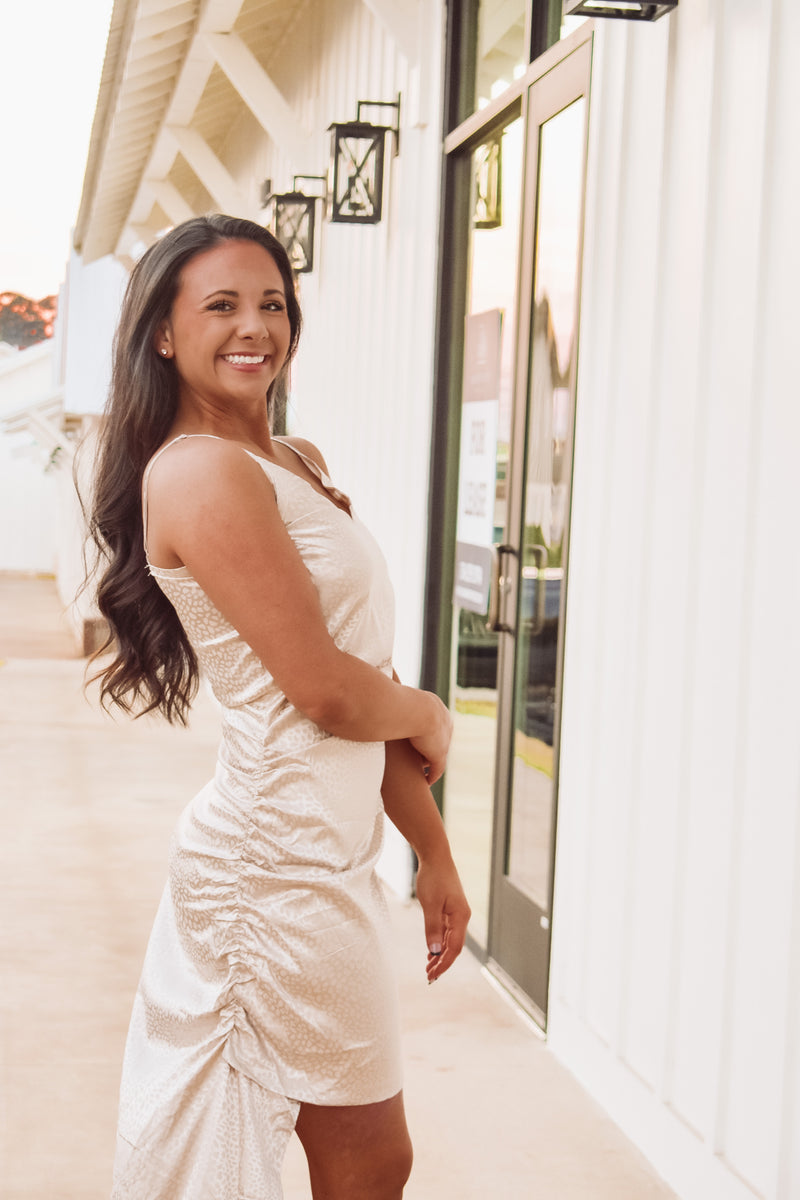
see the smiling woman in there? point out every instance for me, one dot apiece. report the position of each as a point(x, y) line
point(155, 667)
point(267, 1000)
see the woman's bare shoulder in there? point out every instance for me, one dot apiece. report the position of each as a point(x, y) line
point(192, 454)
point(201, 467)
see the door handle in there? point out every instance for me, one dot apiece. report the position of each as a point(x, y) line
point(539, 554)
point(497, 588)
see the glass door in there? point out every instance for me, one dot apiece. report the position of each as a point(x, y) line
point(486, 408)
point(528, 605)
point(513, 249)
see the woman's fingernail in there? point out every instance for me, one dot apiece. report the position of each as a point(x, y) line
point(435, 948)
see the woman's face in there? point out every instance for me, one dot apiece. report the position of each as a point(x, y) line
point(228, 332)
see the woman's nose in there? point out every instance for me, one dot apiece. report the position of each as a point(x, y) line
point(252, 323)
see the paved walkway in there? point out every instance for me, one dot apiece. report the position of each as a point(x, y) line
point(87, 807)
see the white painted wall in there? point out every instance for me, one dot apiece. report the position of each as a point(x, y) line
point(675, 986)
point(72, 548)
point(93, 296)
point(27, 491)
point(89, 303)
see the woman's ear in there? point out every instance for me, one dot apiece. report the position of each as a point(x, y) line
point(162, 341)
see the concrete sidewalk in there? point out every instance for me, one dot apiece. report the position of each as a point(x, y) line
point(87, 808)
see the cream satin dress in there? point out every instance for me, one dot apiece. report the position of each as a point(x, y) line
point(268, 977)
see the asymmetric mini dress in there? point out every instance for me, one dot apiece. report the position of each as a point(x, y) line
point(267, 979)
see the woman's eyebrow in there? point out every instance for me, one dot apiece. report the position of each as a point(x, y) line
point(228, 292)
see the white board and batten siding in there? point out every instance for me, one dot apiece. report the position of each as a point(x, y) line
point(361, 385)
point(675, 986)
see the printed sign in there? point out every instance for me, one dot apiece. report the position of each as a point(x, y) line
point(473, 577)
point(478, 460)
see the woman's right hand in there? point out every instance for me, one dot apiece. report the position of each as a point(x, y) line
point(433, 745)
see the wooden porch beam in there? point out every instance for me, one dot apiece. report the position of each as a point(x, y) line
point(167, 196)
point(260, 94)
point(219, 16)
point(213, 175)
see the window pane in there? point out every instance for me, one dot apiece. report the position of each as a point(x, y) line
point(547, 487)
point(502, 55)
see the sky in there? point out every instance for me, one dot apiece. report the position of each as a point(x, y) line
point(51, 58)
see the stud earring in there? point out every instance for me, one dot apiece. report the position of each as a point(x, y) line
point(163, 352)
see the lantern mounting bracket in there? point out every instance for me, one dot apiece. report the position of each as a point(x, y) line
point(395, 104)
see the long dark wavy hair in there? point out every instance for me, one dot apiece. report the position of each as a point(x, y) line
point(154, 667)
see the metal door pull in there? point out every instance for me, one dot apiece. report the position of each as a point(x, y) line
point(499, 585)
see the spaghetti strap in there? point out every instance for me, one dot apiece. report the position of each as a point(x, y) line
point(323, 476)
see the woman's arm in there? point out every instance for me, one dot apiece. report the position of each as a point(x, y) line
point(213, 509)
point(411, 808)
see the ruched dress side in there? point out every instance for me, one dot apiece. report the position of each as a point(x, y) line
point(268, 979)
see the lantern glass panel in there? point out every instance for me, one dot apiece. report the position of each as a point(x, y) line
point(294, 229)
point(357, 189)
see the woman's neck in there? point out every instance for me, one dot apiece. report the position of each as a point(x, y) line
point(249, 429)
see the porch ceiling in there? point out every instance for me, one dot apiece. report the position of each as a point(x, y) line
point(159, 72)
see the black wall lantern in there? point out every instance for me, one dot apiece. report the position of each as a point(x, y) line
point(293, 220)
point(628, 10)
point(357, 160)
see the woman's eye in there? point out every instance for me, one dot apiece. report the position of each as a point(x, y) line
point(226, 306)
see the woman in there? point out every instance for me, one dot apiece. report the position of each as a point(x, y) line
point(267, 1000)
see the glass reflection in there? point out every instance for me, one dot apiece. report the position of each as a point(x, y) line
point(500, 51)
point(501, 54)
point(486, 426)
point(548, 477)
